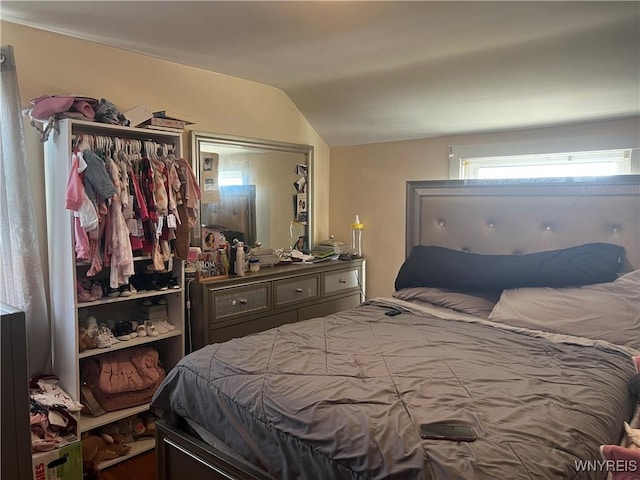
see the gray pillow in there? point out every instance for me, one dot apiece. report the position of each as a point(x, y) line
point(604, 311)
point(477, 304)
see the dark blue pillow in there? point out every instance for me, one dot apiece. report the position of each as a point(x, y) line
point(430, 266)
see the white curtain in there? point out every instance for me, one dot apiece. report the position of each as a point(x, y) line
point(21, 277)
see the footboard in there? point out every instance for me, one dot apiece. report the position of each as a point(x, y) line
point(181, 455)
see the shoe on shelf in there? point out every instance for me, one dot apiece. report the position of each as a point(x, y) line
point(106, 331)
point(151, 329)
point(147, 302)
point(160, 281)
point(161, 287)
point(121, 331)
point(134, 329)
point(161, 328)
point(113, 292)
point(138, 282)
point(91, 324)
point(161, 301)
point(141, 331)
point(113, 339)
point(103, 340)
point(125, 290)
point(109, 324)
point(84, 296)
point(173, 284)
point(85, 341)
point(96, 290)
point(166, 325)
point(83, 289)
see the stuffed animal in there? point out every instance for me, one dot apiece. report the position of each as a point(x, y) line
point(130, 428)
point(149, 420)
point(95, 449)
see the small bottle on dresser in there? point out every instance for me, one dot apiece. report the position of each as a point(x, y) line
point(356, 238)
point(240, 259)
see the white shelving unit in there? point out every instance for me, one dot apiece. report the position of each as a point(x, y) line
point(64, 272)
point(137, 448)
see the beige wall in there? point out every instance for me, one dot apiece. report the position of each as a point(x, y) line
point(49, 63)
point(370, 180)
point(367, 179)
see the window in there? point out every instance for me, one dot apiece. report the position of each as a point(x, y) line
point(596, 155)
point(573, 164)
point(230, 177)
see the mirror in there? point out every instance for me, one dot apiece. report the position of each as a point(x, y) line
point(254, 190)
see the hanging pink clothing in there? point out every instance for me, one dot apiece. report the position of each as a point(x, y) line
point(160, 193)
point(75, 189)
point(95, 255)
point(83, 249)
point(76, 199)
point(121, 259)
point(173, 186)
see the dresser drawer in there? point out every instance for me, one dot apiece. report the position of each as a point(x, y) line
point(296, 290)
point(240, 301)
point(341, 280)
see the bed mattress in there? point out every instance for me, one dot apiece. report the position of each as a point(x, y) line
point(343, 396)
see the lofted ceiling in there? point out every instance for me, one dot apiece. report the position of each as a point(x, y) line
point(365, 72)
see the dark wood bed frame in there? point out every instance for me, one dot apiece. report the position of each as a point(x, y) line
point(489, 217)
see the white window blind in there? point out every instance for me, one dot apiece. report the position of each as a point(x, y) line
point(230, 177)
point(586, 155)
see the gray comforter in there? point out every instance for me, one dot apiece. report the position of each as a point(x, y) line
point(343, 397)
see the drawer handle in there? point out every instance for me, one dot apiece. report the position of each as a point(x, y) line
point(342, 280)
point(299, 290)
point(243, 301)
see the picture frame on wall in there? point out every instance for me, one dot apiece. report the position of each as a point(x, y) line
point(212, 238)
point(301, 207)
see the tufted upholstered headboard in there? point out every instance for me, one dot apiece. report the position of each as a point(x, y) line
point(525, 216)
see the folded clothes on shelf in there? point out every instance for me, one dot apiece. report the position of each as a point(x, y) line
point(51, 414)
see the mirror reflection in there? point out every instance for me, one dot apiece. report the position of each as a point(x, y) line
point(254, 190)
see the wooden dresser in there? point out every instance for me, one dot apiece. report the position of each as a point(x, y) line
point(234, 307)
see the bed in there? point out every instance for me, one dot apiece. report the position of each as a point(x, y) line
point(516, 312)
